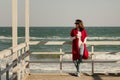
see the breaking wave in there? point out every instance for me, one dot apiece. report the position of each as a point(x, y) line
point(63, 38)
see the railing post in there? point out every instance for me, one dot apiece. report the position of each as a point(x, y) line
point(19, 65)
point(92, 59)
point(23, 63)
point(61, 60)
point(18, 72)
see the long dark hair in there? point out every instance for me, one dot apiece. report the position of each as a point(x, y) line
point(81, 26)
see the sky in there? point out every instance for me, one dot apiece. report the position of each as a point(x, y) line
point(64, 12)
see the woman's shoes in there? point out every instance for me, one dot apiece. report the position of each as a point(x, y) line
point(77, 74)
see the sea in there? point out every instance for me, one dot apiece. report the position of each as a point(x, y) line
point(60, 34)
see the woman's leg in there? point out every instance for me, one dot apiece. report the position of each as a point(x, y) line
point(79, 61)
point(81, 52)
point(78, 65)
point(75, 63)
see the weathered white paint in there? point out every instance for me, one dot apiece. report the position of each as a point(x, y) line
point(14, 25)
point(65, 42)
point(27, 23)
point(27, 29)
point(95, 53)
point(5, 53)
point(18, 68)
point(47, 53)
point(9, 51)
point(19, 47)
point(103, 43)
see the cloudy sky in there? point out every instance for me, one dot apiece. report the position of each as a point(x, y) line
point(64, 12)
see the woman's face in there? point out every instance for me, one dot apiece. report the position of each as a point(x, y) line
point(77, 25)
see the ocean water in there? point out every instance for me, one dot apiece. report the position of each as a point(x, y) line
point(60, 34)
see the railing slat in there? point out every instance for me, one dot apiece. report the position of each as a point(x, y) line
point(84, 61)
point(68, 42)
point(95, 53)
point(47, 53)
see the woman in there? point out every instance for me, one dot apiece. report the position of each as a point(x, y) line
point(78, 37)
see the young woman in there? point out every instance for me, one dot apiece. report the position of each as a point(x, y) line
point(78, 37)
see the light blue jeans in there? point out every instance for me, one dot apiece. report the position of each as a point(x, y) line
point(77, 62)
point(81, 51)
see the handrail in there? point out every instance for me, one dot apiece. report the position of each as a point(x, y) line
point(69, 42)
point(84, 61)
point(9, 51)
point(70, 53)
point(15, 65)
point(5, 52)
point(21, 48)
point(60, 43)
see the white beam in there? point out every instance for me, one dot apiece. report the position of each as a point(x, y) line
point(27, 30)
point(14, 27)
point(27, 23)
point(95, 43)
point(14, 23)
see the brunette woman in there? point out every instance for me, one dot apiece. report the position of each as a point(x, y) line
point(78, 37)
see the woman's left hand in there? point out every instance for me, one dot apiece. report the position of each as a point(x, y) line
point(82, 44)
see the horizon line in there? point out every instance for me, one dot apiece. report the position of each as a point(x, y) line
point(62, 26)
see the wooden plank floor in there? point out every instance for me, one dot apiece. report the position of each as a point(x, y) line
point(73, 77)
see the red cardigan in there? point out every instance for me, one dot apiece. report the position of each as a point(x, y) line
point(75, 48)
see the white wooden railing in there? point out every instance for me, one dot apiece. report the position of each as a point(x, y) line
point(19, 65)
point(61, 53)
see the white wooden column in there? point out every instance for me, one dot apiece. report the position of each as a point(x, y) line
point(27, 31)
point(14, 31)
point(14, 26)
point(27, 23)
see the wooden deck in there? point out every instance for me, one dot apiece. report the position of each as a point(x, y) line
point(71, 76)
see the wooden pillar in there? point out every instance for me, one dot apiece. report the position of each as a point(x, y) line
point(14, 24)
point(14, 30)
point(27, 29)
point(27, 23)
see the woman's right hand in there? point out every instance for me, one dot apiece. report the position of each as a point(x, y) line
point(78, 35)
